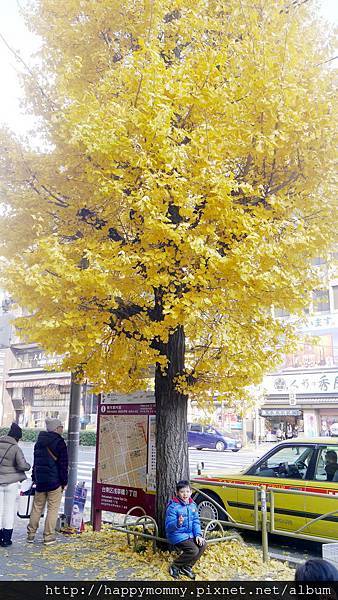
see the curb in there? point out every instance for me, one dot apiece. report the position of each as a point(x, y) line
point(291, 560)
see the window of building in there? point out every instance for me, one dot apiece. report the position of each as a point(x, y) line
point(321, 301)
point(318, 261)
point(17, 393)
point(281, 312)
point(335, 297)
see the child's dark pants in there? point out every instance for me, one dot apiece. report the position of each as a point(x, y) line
point(191, 553)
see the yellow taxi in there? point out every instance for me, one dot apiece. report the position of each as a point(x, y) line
point(292, 466)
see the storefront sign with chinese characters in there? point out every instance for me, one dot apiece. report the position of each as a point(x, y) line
point(280, 412)
point(302, 383)
point(36, 358)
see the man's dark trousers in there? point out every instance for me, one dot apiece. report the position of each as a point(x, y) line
point(191, 553)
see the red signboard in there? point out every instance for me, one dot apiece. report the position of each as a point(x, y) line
point(125, 456)
point(122, 499)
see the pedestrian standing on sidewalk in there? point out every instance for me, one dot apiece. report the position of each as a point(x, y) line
point(183, 530)
point(12, 470)
point(279, 434)
point(50, 475)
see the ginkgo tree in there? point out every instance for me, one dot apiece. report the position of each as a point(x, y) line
point(183, 184)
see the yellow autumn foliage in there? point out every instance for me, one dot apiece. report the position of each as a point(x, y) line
point(183, 182)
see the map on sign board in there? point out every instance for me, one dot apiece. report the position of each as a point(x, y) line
point(123, 451)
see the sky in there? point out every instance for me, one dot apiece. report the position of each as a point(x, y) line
point(13, 29)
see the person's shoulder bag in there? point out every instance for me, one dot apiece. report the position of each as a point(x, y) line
point(52, 454)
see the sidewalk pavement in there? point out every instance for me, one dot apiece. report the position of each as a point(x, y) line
point(33, 562)
point(106, 556)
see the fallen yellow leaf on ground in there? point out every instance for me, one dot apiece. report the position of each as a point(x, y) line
point(106, 555)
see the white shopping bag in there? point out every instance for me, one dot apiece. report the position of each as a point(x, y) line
point(26, 498)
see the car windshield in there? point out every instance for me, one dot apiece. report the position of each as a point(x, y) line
point(289, 461)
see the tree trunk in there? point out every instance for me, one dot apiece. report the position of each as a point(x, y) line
point(172, 461)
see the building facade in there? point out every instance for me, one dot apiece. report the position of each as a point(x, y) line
point(31, 385)
point(303, 393)
point(33, 389)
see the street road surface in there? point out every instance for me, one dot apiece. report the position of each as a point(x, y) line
point(214, 463)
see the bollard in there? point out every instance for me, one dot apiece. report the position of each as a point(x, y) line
point(264, 525)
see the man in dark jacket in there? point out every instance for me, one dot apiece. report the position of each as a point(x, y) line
point(50, 474)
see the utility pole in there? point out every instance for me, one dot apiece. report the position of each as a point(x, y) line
point(244, 431)
point(257, 427)
point(73, 444)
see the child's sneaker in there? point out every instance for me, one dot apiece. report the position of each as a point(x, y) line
point(174, 571)
point(188, 572)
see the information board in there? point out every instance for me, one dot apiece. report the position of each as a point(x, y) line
point(126, 453)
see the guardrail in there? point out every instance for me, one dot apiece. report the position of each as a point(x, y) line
point(255, 488)
point(264, 503)
point(297, 534)
point(259, 495)
point(131, 529)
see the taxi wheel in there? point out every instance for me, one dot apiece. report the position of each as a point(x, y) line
point(208, 510)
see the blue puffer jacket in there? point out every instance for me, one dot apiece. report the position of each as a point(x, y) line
point(191, 526)
point(50, 469)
